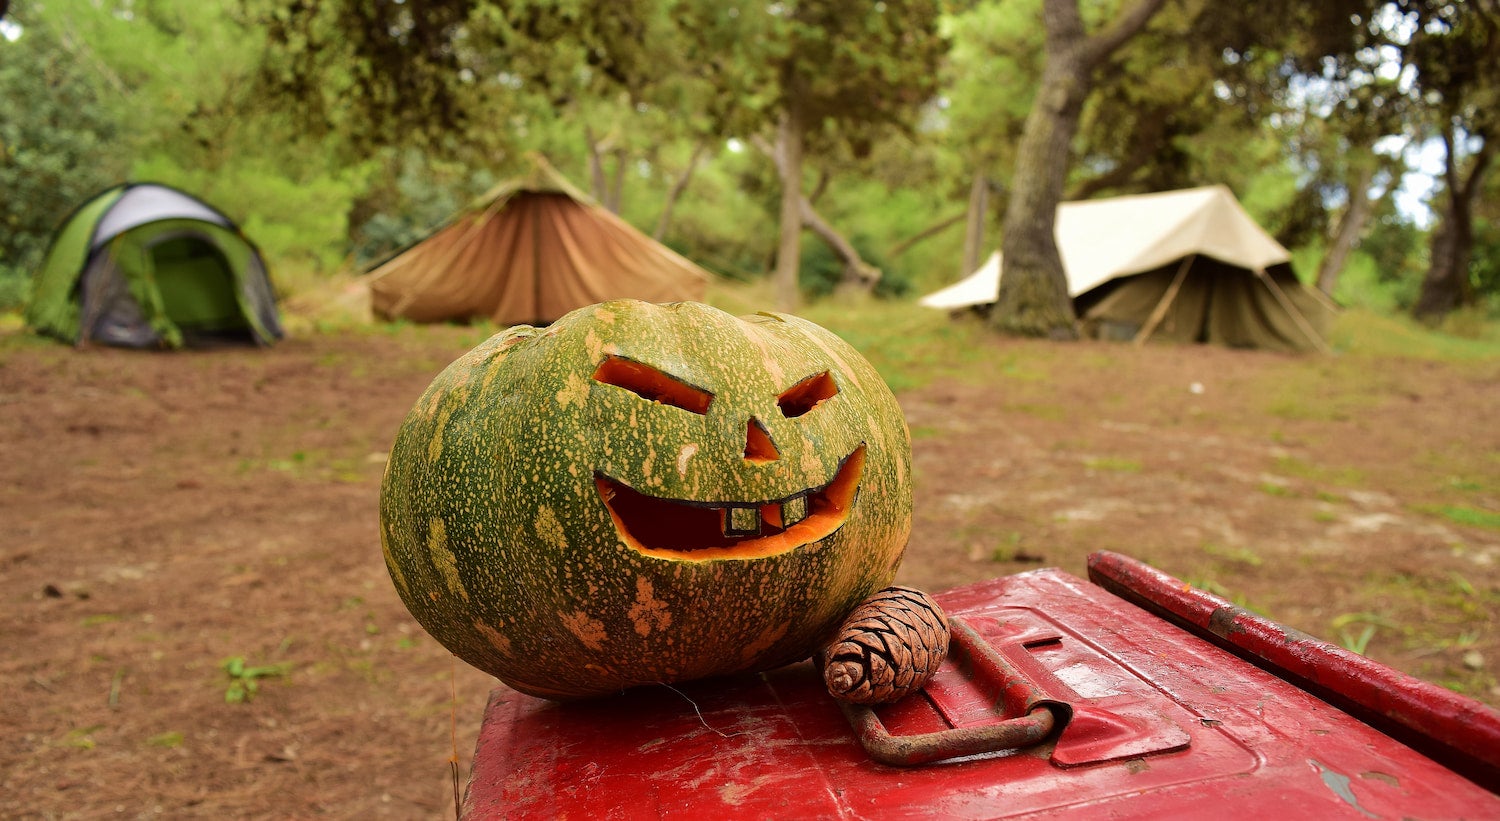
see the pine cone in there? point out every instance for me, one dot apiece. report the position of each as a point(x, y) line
point(890, 645)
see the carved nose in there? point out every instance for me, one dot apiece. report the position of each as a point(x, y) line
point(758, 445)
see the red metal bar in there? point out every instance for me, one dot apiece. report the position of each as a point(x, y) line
point(1459, 732)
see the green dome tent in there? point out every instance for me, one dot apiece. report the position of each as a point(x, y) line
point(145, 265)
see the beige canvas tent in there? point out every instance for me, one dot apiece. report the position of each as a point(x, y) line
point(528, 251)
point(1185, 266)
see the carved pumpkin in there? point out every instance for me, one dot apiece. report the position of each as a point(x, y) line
point(646, 493)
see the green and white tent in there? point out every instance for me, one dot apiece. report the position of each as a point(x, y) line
point(144, 265)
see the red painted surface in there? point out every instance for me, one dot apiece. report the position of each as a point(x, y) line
point(1158, 724)
point(1458, 731)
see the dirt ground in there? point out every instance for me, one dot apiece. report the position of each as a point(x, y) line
point(161, 514)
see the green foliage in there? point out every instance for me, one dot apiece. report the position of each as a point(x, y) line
point(244, 678)
point(822, 270)
point(417, 194)
point(989, 81)
point(56, 150)
point(294, 219)
point(298, 120)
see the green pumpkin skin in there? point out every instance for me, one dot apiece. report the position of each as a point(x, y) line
point(499, 543)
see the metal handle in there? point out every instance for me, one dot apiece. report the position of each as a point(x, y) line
point(1019, 696)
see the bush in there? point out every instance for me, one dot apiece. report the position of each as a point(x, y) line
point(55, 142)
point(822, 270)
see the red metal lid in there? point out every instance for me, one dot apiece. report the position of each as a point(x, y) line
point(1155, 722)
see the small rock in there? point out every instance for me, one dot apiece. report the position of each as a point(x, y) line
point(1474, 660)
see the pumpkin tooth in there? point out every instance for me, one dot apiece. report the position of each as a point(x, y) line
point(741, 521)
point(794, 510)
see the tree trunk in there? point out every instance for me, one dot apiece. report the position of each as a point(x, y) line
point(1446, 285)
point(1350, 228)
point(1034, 297)
point(856, 271)
point(675, 194)
point(596, 166)
point(979, 208)
point(617, 183)
point(788, 154)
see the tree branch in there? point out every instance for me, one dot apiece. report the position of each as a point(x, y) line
point(1124, 27)
point(856, 270)
point(932, 230)
point(676, 193)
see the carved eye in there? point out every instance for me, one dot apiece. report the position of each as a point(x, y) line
point(807, 394)
point(649, 383)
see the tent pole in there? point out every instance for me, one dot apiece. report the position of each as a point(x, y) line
point(1160, 311)
point(1297, 317)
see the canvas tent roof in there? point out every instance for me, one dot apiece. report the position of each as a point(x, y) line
point(147, 265)
point(1146, 238)
point(528, 251)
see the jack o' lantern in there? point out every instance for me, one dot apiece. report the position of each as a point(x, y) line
point(646, 493)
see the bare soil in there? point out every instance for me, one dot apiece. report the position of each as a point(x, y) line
point(163, 513)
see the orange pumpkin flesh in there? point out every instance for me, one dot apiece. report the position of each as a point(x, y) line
point(670, 529)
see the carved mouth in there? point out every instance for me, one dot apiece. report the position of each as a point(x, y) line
point(676, 529)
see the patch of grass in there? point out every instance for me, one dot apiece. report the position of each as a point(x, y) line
point(168, 740)
point(81, 738)
point(1366, 333)
point(1460, 515)
point(316, 464)
point(908, 345)
point(1358, 642)
point(1238, 555)
point(1113, 463)
point(1009, 548)
point(1208, 585)
point(1300, 469)
point(1431, 612)
point(1051, 413)
point(1327, 389)
point(1274, 489)
point(244, 678)
point(98, 619)
point(925, 432)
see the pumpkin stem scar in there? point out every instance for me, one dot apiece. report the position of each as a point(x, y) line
point(701, 531)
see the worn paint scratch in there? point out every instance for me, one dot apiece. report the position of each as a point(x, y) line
point(1339, 784)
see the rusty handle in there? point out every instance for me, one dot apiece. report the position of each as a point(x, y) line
point(1035, 722)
